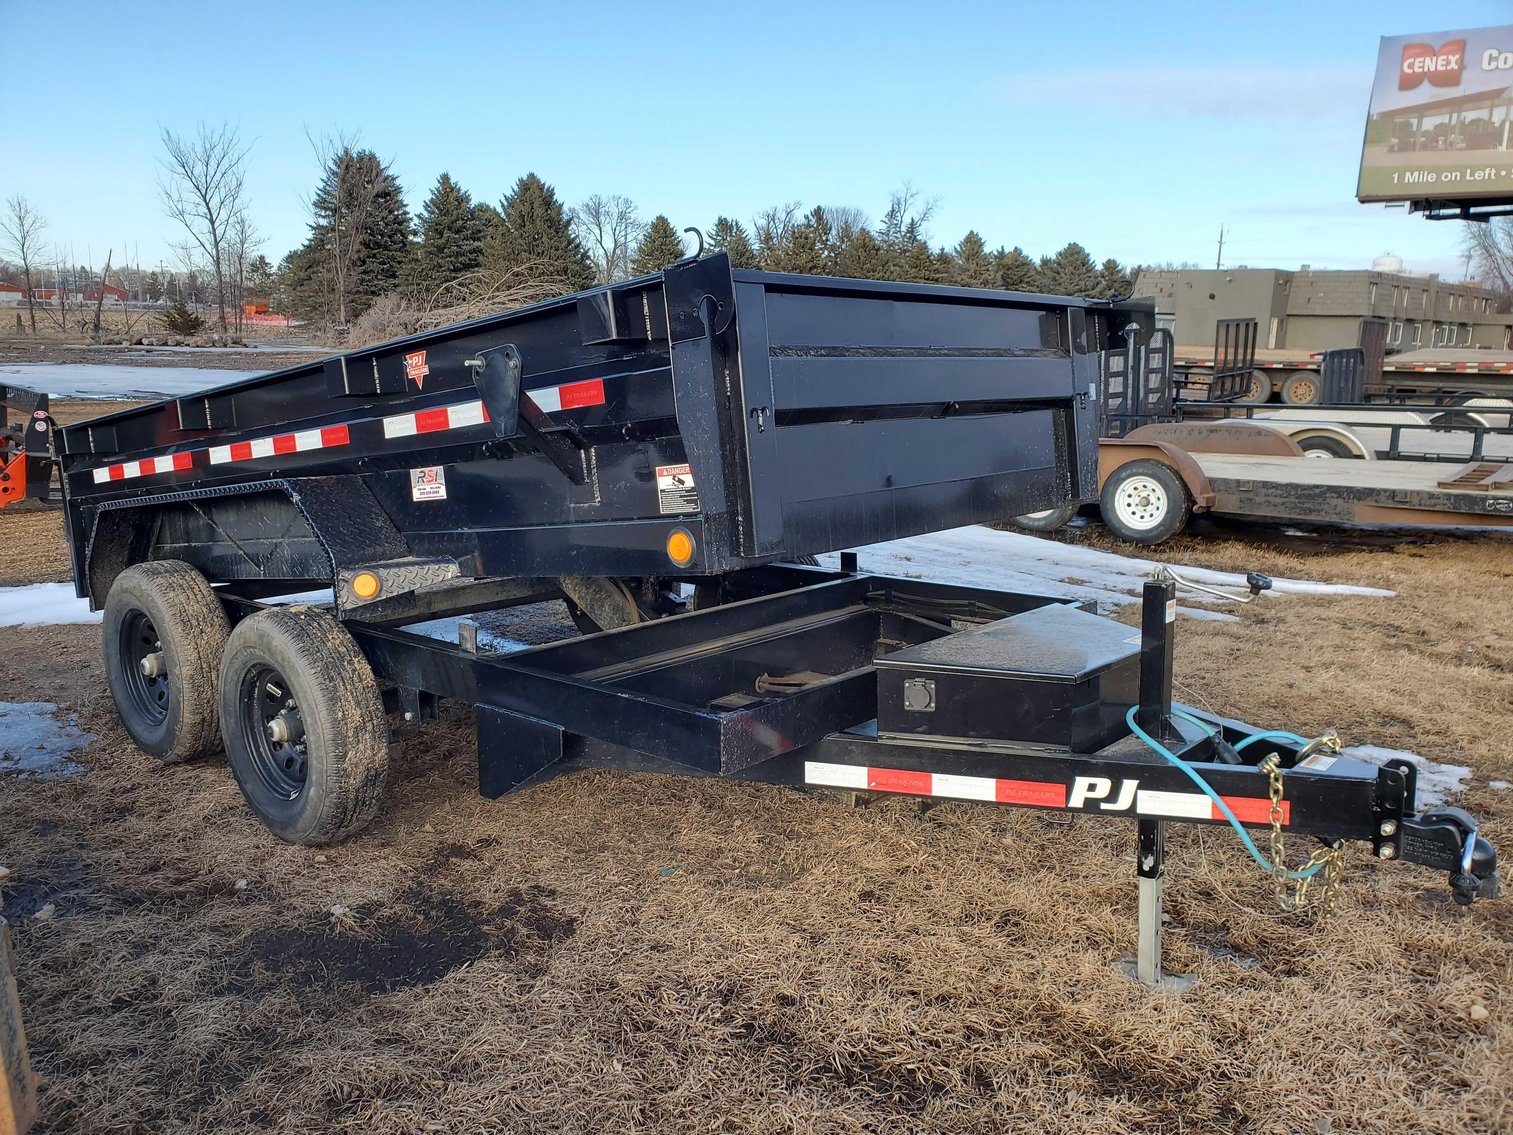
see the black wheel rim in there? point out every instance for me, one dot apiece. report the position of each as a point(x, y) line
point(273, 732)
point(145, 669)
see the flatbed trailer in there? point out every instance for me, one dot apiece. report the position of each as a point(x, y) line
point(658, 454)
point(1162, 460)
point(1446, 374)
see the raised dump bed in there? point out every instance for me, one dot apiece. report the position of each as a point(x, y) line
point(651, 454)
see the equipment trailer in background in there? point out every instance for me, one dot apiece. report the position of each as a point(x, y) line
point(657, 454)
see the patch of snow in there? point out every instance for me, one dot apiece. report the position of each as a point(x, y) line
point(1205, 613)
point(446, 630)
point(1436, 782)
point(1017, 561)
point(44, 604)
point(1501, 784)
point(36, 744)
point(113, 380)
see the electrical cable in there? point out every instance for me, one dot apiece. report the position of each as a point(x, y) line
point(1192, 773)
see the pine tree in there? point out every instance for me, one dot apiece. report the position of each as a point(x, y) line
point(359, 241)
point(919, 265)
point(811, 245)
point(1114, 280)
point(658, 248)
point(1071, 273)
point(862, 258)
point(534, 238)
point(730, 237)
point(971, 266)
point(1017, 272)
point(153, 286)
point(451, 239)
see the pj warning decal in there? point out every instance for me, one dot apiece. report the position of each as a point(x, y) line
point(675, 489)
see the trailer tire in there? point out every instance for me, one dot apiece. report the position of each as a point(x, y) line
point(304, 725)
point(1319, 446)
point(163, 635)
point(1145, 502)
point(1260, 388)
point(1303, 388)
point(1047, 520)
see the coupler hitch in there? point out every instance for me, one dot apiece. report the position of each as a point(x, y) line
point(1446, 838)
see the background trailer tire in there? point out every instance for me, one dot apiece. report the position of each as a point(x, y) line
point(163, 637)
point(1145, 502)
point(304, 725)
point(1047, 520)
point(1303, 388)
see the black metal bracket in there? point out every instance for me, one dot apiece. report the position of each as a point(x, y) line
point(497, 374)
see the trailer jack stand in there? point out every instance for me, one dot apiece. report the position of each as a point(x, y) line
point(1150, 867)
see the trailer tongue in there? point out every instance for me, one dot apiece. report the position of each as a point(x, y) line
point(658, 454)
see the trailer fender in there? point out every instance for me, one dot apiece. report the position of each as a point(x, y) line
point(330, 522)
point(1114, 453)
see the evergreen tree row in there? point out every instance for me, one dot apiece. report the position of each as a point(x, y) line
point(363, 244)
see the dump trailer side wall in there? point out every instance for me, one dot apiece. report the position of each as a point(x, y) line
point(764, 415)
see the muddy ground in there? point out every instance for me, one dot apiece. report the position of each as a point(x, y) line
point(614, 952)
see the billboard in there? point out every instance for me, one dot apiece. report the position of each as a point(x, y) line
point(1441, 119)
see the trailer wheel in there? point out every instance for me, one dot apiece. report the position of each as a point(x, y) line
point(1047, 520)
point(1145, 502)
point(1260, 388)
point(304, 725)
point(1325, 447)
point(163, 637)
point(1302, 388)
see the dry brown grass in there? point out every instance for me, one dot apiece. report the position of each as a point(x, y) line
point(671, 955)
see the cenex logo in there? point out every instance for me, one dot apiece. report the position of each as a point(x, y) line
point(1441, 67)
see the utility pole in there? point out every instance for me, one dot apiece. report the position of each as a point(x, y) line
point(1219, 259)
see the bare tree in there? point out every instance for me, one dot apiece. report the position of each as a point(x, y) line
point(204, 192)
point(610, 228)
point(773, 229)
point(22, 226)
point(100, 293)
point(242, 245)
point(1489, 250)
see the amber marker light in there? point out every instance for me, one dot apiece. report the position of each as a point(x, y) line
point(365, 585)
point(680, 547)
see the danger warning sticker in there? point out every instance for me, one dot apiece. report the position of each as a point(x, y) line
point(675, 489)
point(428, 484)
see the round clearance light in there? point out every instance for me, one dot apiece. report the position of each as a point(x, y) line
point(365, 585)
point(680, 547)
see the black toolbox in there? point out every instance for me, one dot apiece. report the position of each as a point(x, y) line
point(1055, 677)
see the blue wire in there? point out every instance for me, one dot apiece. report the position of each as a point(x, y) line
point(1218, 800)
point(1279, 734)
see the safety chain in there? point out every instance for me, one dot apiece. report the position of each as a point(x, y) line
point(1294, 894)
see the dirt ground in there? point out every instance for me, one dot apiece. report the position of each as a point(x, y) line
point(614, 952)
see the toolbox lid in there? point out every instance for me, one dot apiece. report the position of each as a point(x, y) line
point(1056, 643)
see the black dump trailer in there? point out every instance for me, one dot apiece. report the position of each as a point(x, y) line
point(663, 455)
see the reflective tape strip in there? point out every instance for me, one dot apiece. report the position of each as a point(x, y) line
point(550, 399)
point(326, 437)
point(993, 790)
point(146, 467)
point(1033, 793)
point(436, 419)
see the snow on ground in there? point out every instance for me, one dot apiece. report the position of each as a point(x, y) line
point(1015, 561)
point(43, 604)
point(1436, 782)
point(34, 743)
point(112, 380)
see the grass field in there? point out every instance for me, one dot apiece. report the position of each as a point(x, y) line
point(614, 952)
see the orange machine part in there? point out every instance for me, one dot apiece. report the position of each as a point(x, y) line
point(12, 478)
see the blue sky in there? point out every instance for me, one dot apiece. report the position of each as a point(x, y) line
point(1135, 129)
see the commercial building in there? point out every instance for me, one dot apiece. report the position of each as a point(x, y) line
point(1312, 311)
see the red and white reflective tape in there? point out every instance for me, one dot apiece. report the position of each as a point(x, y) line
point(570, 396)
point(1040, 793)
point(436, 419)
point(144, 468)
point(327, 437)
